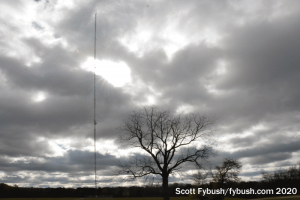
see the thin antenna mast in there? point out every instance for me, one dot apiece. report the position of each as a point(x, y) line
point(95, 106)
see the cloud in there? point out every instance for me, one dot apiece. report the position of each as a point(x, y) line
point(237, 61)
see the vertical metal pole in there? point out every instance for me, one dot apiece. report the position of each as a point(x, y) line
point(95, 106)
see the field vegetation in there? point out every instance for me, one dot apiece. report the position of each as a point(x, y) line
point(292, 197)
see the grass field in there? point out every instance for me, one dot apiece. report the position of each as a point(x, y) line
point(286, 198)
point(135, 198)
point(150, 198)
point(291, 197)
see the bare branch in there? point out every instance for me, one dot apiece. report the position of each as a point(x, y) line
point(163, 135)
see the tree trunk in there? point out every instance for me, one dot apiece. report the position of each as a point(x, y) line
point(165, 186)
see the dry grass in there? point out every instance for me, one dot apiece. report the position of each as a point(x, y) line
point(150, 198)
point(291, 197)
point(135, 198)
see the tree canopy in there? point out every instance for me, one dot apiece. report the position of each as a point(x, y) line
point(168, 139)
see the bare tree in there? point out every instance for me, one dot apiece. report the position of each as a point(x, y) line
point(227, 172)
point(200, 178)
point(166, 139)
point(283, 175)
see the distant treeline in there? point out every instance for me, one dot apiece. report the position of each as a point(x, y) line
point(283, 179)
point(7, 191)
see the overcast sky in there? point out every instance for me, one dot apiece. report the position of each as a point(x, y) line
point(235, 60)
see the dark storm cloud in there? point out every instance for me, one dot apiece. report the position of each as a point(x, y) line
point(267, 67)
point(72, 161)
point(269, 158)
point(56, 180)
point(250, 174)
point(268, 149)
point(57, 69)
point(68, 101)
point(262, 76)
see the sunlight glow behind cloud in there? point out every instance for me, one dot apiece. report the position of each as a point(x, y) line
point(39, 97)
point(116, 73)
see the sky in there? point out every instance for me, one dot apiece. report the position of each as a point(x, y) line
point(237, 61)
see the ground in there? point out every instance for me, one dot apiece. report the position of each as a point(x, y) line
point(152, 198)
